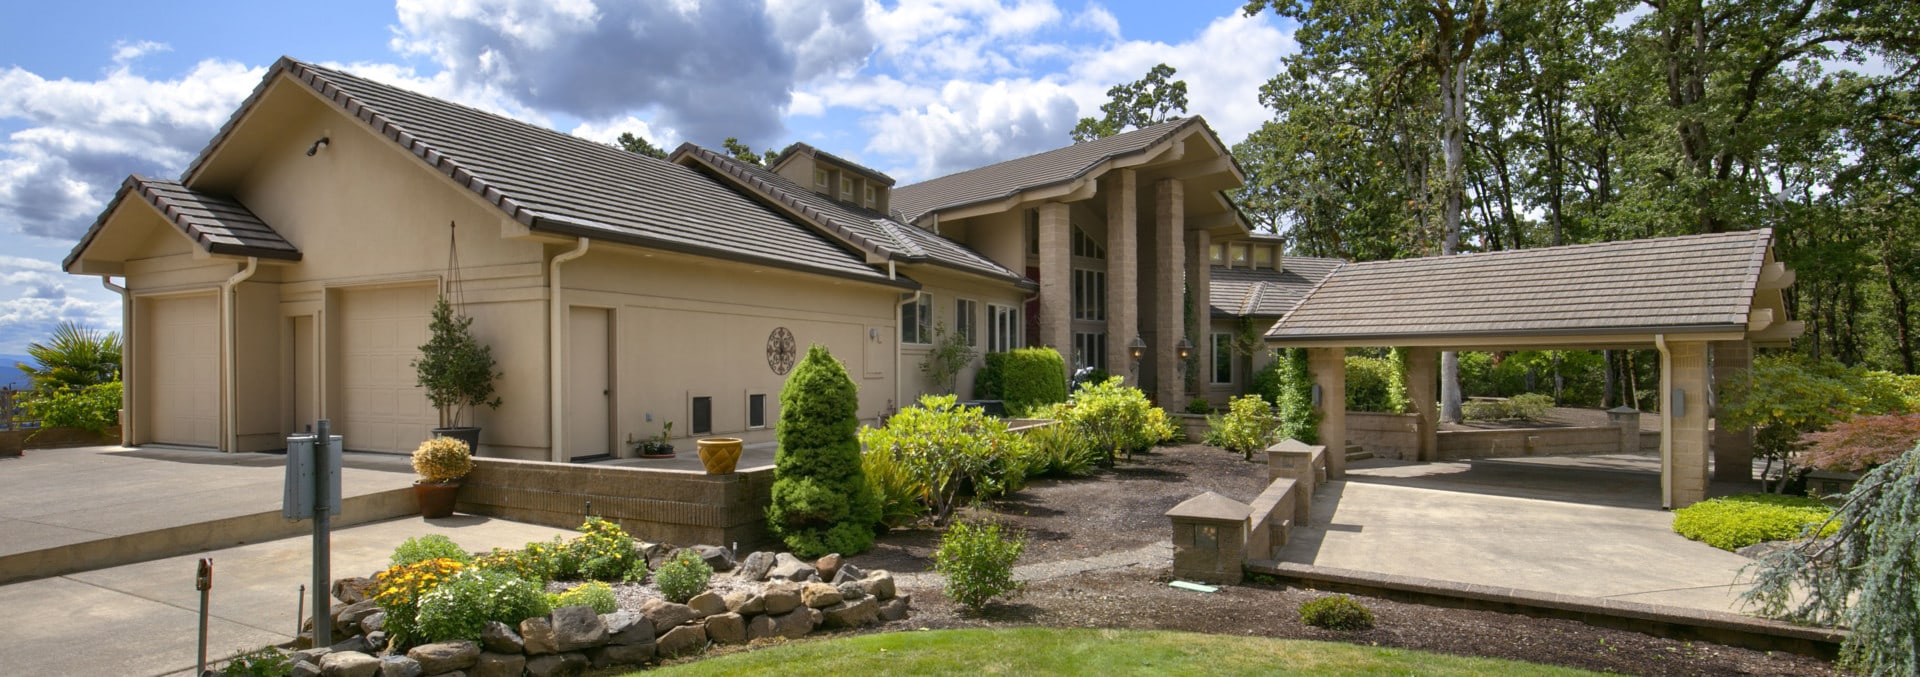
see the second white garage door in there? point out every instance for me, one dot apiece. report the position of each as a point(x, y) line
point(182, 368)
point(381, 331)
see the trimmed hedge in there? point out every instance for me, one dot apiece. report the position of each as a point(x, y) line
point(821, 500)
point(1025, 379)
point(1734, 522)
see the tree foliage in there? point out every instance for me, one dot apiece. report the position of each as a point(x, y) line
point(744, 153)
point(945, 448)
point(1148, 101)
point(634, 143)
point(456, 370)
point(75, 356)
point(821, 500)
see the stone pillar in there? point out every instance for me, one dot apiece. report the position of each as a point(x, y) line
point(1732, 448)
point(1169, 307)
point(1201, 318)
point(1627, 419)
point(1056, 280)
point(1423, 379)
point(1123, 272)
point(1684, 413)
point(1329, 369)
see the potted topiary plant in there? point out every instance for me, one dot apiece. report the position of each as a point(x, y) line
point(440, 462)
point(457, 371)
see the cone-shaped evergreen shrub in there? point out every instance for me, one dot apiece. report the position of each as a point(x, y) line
point(821, 501)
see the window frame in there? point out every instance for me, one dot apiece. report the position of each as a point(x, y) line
point(1004, 325)
point(1222, 349)
point(822, 179)
point(922, 327)
point(1261, 252)
point(872, 196)
point(846, 188)
point(763, 411)
point(1217, 253)
point(966, 320)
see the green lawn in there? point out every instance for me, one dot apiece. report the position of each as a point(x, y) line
point(1053, 651)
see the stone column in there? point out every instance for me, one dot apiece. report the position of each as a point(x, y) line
point(1329, 368)
point(1169, 308)
point(1423, 379)
point(1683, 371)
point(1056, 280)
point(1201, 318)
point(1123, 272)
point(1732, 447)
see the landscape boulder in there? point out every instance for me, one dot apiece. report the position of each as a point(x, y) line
point(492, 664)
point(628, 628)
point(786, 567)
point(819, 595)
point(666, 615)
point(746, 603)
point(576, 628)
point(681, 640)
point(780, 598)
point(536, 635)
point(499, 638)
point(348, 664)
point(755, 566)
point(828, 566)
point(440, 657)
point(707, 604)
point(853, 614)
point(721, 559)
point(553, 665)
point(399, 666)
point(727, 628)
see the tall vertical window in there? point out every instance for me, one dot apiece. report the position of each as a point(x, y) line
point(1003, 328)
point(846, 188)
point(1263, 256)
point(873, 197)
point(964, 312)
point(1033, 232)
point(1089, 295)
point(756, 411)
point(916, 320)
point(1086, 247)
point(702, 415)
point(820, 180)
point(1222, 357)
point(1090, 350)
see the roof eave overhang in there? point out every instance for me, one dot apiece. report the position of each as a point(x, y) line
point(1608, 337)
point(76, 262)
point(572, 228)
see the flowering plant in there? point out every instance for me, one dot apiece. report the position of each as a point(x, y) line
point(398, 591)
point(442, 459)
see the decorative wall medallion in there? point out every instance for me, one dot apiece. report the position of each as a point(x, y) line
point(780, 350)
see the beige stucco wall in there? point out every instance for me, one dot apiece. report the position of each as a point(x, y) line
point(947, 287)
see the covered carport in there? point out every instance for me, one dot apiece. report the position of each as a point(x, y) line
point(1703, 301)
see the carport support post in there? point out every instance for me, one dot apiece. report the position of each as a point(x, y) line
point(1732, 447)
point(1423, 378)
point(1683, 373)
point(1329, 369)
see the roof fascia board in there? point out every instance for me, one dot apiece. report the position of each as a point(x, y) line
point(77, 254)
point(1167, 148)
point(239, 116)
point(1626, 337)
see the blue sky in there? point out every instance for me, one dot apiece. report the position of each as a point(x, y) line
point(93, 91)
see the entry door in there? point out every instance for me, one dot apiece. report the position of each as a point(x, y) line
point(589, 383)
point(304, 387)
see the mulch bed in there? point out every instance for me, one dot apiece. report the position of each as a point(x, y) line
point(1123, 509)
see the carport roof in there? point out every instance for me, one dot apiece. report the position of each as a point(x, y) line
point(1713, 287)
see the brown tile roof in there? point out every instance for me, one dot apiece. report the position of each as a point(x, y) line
point(868, 230)
point(566, 185)
point(1695, 283)
point(1263, 292)
point(1005, 179)
point(217, 224)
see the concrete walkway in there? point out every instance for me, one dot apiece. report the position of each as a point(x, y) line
point(1155, 555)
point(142, 619)
point(1589, 526)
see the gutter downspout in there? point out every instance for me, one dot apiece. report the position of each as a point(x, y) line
point(555, 317)
point(1666, 421)
point(899, 360)
point(126, 356)
point(232, 437)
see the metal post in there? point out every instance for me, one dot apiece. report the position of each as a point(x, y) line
point(300, 610)
point(203, 581)
point(322, 540)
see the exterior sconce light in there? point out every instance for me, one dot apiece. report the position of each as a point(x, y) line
point(1186, 349)
point(1137, 349)
point(1679, 403)
point(1316, 394)
point(317, 145)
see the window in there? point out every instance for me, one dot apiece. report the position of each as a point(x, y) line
point(756, 411)
point(1090, 350)
point(1239, 252)
point(1263, 256)
point(1003, 328)
point(964, 312)
point(1217, 254)
point(820, 180)
point(1222, 357)
point(1084, 245)
point(873, 197)
point(846, 188)
point(702, 415)
point(916, 320)
point(1089, 294)
point(1033, 232)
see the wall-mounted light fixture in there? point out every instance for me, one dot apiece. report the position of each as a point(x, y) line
point(1186, 349)
point(1679, 403)
point(1136, 349)
point(317, 145)
point(1316, 394)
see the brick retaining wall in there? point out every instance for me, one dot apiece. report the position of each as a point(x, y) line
point(1463, 444)
point(671, 506)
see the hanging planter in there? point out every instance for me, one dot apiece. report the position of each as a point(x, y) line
point(456, 370)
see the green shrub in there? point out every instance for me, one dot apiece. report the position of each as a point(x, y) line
point(430, 546)
point(977, 561)
point(1060, 450)
point(1862, 443)
point(1288, 385)
point(595, 594)
point(1370, 384)
point(266, 661)
point(903, 500)
point(1530, 406)
point(1336, 612)
point(538, 562)
point(683, 576)
point(1115, 417)
point(821, 500)
point(1199, 405)
point(461, 607)
point(92, 408)
point(1485, 410)
point(1026, 379)
point(604, 552)
point(1249, 426)
point(1735, 522)
point(945, 447)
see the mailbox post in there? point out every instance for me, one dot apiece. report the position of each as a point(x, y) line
point(313, 491)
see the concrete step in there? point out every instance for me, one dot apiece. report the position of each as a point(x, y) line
point(1356, 452)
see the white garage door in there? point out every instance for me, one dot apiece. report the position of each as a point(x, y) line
point(181, 366)
point(380, 334)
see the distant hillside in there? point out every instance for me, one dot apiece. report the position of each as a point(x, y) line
point(10, 376)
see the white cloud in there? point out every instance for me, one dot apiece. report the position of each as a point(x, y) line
point(975, 124)
point(1224, 90)
point(39, 297)
point(958, 38)
point(443, 85)
point(609, 131)
point(1095, 17)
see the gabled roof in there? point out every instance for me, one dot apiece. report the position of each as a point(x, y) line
point(1005, 179)
point(799, 148)
point(1262, 292)
point(216, 224)
point(557, 183)
point(871, 232)
point(1694, 284)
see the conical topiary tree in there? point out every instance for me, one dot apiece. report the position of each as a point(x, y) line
point(821, 501)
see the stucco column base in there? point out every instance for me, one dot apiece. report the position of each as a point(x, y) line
point(1684, 410)
point(1732, 447)
point(1423, 378)
point(1329, 369)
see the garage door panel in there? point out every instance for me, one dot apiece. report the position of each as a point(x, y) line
point(381, 332)
point(182, 371)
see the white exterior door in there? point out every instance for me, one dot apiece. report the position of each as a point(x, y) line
point(589, 383)
point(181, 370)
point(381, 331)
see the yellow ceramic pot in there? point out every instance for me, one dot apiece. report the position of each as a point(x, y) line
point(719, 454)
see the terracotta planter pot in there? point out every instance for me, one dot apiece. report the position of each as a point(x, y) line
point(719, 454)
point(436, 498)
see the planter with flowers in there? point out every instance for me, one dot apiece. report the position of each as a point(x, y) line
point(440, 462)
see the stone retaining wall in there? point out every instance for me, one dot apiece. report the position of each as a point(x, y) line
point(13, 442)
point(1384, 435)
point(1464, 444)
point(676, 506)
